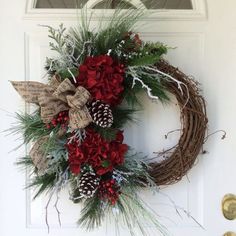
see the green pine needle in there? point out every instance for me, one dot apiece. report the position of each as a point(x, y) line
point(122, 116)
point(145, 60)
point(43, 183)
point(30, 126)
point(91, 213)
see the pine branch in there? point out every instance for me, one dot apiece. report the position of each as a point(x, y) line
point(108, 134)
point(122, 116)
point(144, 60)
point(135, 214)
point(25, 161)
point(43, 183)
point(148, 54)
point(130, 95)
point(92, 213)
point(30, 126)
point(49, 180)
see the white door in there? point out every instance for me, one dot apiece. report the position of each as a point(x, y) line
point(205, 41)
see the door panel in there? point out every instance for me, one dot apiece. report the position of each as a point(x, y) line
point(201, 50)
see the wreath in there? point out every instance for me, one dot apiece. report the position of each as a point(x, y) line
point(92, 92)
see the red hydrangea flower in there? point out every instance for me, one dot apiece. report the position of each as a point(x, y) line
point(97, 152)
point(103, 78)
point(76, 156)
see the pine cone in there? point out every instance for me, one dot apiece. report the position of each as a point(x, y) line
point(101, 114)
point(88, 184)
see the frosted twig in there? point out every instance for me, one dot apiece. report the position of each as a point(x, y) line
point(72, 45)
point(179, 83)
point(133, 70)
point(109, 52)
point(56, 207)
point(83, 49)
point(149, 90)
point(71, 74)
point(46, 209)
point(135, 78)
point(62, 180)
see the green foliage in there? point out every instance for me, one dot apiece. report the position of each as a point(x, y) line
point(135, 171)
point(135, 214)
point(58, 37)
point(84, 37)
point(66, 74)
point(120, 23)
point(107, 133)
point(26, 163)
point(157, 48)
point(75, 193)
point(144, 60)
point(110, 34)
point(30, 126)
point(43, 183)
point(122, 116)
point(133, 211)
point(148, 54)
point(63, 43)
point(50, 179)
point(131, 94)
point(91, 213)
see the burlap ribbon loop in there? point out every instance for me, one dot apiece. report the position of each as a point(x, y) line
point(56, 97)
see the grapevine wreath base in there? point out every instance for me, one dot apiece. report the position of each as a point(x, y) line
point(76, 131)
point(194, 127)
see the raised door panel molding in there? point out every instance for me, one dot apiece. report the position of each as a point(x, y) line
point(187, 195)
point(199, 12)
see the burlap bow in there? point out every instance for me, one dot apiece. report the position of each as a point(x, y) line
point(52, 99)
point(56, 97)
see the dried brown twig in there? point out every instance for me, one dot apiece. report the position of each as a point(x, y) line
point(193, 131)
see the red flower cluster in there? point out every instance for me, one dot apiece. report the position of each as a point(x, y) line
point(109, 190)
point(103, 78)
point(97, 152)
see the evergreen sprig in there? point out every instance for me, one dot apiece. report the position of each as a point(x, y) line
point(122, 116)
point(26, 163)
point(30, 126)
point(92, 213)
point(43, 183)
point(58, 36)
point(46, 182)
